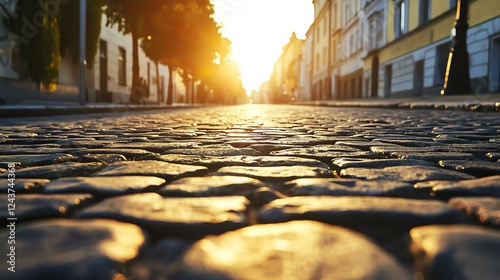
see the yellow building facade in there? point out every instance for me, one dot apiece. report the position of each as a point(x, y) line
point(418, 34)
point(396, 48)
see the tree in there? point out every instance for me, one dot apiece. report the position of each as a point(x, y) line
point(130, 17)
point(70, 33)
point(36, 29)
point(189, 39)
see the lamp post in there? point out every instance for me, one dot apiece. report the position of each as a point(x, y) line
point(457, 77)
point(83, 61)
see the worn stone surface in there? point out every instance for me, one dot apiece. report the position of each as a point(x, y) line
point(104, 186)
point(411, 174)
point(173, 217)
point(102, 158)
point(216, 150)
point(343, 163)
point(211, 186)
point(456, 252)
point(152, 168)
point(351, 187)
point(130, 154)
point(273, 144)
point(487, 186)
point(258, 161)
point(68, 249)
point(31, 160)
point(486, 210)
point(35, 206)
point(68, 169)
point(294, 250)
point(22, 185)
point(282, 173)
point(156, 147)
point(476, 168)
point(377, 216)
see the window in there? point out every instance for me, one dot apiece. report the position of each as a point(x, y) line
point(317, 61)
point(423, 12)
point(334, 16)
point(324, 26)
point(122, 67)
point(453, 4)
point(400, 19)
point(324, 56)
point(318, 33)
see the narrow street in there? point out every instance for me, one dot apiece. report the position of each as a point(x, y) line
point(252, 192)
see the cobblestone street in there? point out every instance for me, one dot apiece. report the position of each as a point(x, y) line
point(252, 192)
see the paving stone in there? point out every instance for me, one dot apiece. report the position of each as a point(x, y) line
point(67, 249)
point(33, 160)
point(215, 151)
point(294, 250)
point(476, 168)
point(410, 174)
point(259, 161)
point(317, 140)
point(23, 185)
point(351, 187)
point(68, 169)
point(211, 186)
point(388, 150)
point(362, 145)
point(155, 147)
point(265, 149)
point(86, 143)
point(432, 156)
point(104, 186)
point(152, 168)
point(280, 173)
point(263, 196)
point(173, 217)
point(35, 206)
point(493, 156)
point(487, 186)
point(131, 154)
point(375, 216)
point(486, 210)
point(159, 262)
point(456, 252)
point(102, 158)
point(342, 163)
point(323, 156)
point(30, 150)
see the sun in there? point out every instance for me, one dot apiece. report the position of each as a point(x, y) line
point(258, 30)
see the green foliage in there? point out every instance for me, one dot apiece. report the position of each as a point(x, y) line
point(70, 25)
point(37, 40)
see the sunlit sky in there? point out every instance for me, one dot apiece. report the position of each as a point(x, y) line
point(258, 30)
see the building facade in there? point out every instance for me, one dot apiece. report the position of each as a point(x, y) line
point(109, 80)
point(396, 48)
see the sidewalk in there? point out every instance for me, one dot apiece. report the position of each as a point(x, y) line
point(484, 102)
point(40, 108)
point(480, 103)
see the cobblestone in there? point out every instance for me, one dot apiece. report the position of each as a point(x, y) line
point(254, 192)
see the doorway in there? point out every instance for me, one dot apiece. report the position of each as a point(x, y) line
point(104, 95)
point(375, 69)
point(418, 78)
point(495, 64)
point(388, 80)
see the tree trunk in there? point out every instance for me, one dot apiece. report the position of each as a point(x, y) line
point(170, 94)
point(135, 64)
point(158, 83)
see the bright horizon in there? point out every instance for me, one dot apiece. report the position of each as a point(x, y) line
point(258, 30)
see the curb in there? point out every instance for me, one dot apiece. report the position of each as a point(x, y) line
point(47, 111)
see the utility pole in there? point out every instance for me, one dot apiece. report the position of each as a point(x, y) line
point(457, 77)
point(83, 61)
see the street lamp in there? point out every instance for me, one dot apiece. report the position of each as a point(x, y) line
point(83, 61)
point(457, 77)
